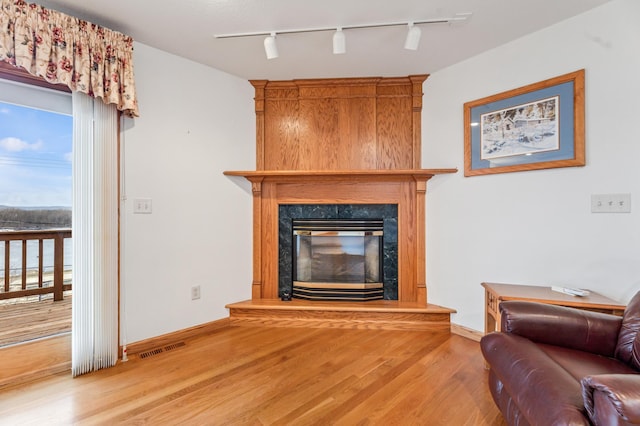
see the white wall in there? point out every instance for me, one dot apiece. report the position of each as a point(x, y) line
point(536, 227)
point(528, 228)
point(195, 122)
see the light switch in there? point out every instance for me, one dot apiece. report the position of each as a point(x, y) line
point(611, 203)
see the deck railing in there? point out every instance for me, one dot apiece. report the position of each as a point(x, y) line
point(21, 278)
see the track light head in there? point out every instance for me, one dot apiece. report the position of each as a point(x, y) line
point(270, 46)
point(413, 37)
point(339, 42)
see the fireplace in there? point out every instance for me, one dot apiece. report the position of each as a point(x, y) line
point(348, 142)
point(396, 196)
point(337, 259)
point(338, 251)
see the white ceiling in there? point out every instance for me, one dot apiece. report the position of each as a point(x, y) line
point(186, 28)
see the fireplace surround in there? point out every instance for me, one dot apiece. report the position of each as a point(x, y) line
point(405, 189)
point(345, 141)
point(350, 219)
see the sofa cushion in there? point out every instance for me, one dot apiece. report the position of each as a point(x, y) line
point(572, 328)
point(628, 346)
point(580, 364)
point(612, 399)
point(541, 388)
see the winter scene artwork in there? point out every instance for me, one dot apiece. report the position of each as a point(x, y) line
point(520, 130)
point(533, 127)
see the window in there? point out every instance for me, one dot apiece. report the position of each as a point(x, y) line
point(36, 137)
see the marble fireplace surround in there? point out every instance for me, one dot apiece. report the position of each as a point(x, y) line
point(404, 188)
point(387, 212)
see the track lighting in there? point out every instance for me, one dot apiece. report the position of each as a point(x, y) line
point(339, 42)
point(413, 37)
point(270, 46)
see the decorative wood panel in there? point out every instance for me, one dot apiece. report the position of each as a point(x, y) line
point(338, 124)
point(394, 132)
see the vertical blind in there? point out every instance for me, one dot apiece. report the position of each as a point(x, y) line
point(95, 235)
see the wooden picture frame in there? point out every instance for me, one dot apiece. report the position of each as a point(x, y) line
point(539, 126)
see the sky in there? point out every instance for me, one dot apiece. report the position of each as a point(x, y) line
point(35, 157)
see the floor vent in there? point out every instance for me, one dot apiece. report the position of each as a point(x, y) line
point(152, 352)
point(174, 346)
point(158, 351)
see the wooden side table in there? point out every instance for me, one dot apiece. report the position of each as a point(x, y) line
point(496, 293)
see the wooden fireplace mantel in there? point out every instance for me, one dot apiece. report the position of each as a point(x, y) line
point(372, 174)
point(406, 188)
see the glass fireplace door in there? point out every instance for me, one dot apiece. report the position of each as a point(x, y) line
point(337, 258)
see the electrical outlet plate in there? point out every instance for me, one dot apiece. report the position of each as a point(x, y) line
point(611, 203)
point(195, 292)
point(142, 206)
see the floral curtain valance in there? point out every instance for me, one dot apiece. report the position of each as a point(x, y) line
point(63, 49)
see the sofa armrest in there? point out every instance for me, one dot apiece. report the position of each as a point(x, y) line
point(612, 399)
point(561, 326)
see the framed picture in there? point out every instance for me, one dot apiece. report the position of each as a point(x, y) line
point(539, 126)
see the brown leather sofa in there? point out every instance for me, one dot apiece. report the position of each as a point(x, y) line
point(552, 365)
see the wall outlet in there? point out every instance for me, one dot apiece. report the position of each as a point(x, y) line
point(142, 206)
point(195, 292)
point(611, 203)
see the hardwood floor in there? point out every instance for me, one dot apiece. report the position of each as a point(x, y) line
point(274, 376)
